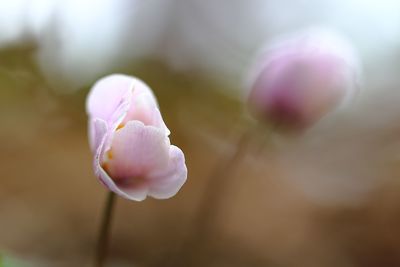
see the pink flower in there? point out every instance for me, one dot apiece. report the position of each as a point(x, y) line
point(133, 156)
point(299, 79)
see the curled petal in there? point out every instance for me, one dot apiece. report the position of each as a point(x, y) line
point(136, 150)
point(110, 99)
point(141, 89)
point(144, 107)
point(97, 132)
point(166, 183)
point(137, 193)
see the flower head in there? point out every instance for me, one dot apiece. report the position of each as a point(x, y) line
point(133, 156)
point(300, 78)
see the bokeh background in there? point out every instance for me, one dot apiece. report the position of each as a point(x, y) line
point(328, 197)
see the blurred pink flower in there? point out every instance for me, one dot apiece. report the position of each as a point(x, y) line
point(133, 156)
point(300, 78)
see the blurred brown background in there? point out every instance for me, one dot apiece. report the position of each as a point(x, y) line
point(327, 197)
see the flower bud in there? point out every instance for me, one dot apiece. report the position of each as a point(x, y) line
point(133, 156)
point(300, 78)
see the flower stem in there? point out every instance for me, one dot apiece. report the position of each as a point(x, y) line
point(217, 185)
point(104, 233)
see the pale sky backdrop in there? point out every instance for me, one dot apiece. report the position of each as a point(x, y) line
point(79, 41)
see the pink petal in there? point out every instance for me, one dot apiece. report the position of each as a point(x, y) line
point(137, 193)
point(136, 150)
point(97, 131)
point(166, 183)
point(109, 99)
point(142, 89)
point(144, 107)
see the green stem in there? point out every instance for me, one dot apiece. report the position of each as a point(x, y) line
point(104, 233)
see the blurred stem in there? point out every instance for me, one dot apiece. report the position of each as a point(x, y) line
point(265, 138)
point(104, 233)
point(217, 185)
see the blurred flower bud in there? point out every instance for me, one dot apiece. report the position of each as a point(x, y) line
point(133, 156)
point(302, 77)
